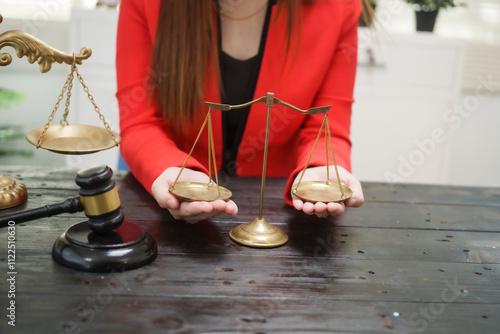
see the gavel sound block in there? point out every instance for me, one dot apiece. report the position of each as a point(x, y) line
point(104, 243)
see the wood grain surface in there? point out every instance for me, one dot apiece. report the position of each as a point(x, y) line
point(413, 259)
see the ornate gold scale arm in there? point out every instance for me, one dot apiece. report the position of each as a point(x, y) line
point(226, 107)
point(310, 111)
point(36, 50)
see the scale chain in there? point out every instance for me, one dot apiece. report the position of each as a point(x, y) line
point(327, 129)
point(51, 117)
point(68, 85)
point(96, 108)
point(192, 148)
point(310, 155)
point(211, 154)
point(64, 121)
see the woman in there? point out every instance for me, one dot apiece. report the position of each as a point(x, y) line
point(174, 55)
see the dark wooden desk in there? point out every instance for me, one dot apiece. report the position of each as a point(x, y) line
point(414, 258)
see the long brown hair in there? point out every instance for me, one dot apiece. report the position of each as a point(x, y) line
point(185, 47)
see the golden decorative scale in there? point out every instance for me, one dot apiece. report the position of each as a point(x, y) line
point(259, 233)
point(64, 137)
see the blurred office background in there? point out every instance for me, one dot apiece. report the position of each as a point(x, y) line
point(427, 105)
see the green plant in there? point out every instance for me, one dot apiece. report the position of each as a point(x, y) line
point(430, 5)
point(8, 98)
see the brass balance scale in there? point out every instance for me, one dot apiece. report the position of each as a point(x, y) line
point(259, 233)
point(68, 138)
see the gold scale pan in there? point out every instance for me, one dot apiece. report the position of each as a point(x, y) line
point(259, 233)
point(62, 138)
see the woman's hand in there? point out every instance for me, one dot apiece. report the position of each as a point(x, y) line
point(192, 212)
point(333, 209)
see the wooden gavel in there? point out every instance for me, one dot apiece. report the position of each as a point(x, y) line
point(98, 198)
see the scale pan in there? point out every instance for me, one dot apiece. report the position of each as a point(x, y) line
point(321, 191)
point(74, 138)
point(197, 191)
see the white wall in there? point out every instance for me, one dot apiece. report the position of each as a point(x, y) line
point(399, 128)
point(473, 138)
point(475, 158)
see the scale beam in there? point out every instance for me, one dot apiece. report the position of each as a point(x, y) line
point(227, 107)
point(37, 50)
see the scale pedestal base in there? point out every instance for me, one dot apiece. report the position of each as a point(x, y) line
point(259, 233)
point(12, 192)
point(124, 248)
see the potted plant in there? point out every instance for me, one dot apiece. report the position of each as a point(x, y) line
point(426, 11)
point(8, 99)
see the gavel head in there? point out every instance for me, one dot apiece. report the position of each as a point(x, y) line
point(99, 197)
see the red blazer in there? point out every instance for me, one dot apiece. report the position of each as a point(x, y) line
point(320, 71)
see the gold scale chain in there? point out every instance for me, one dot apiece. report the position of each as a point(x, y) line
point(68, 85)
point(59, 99)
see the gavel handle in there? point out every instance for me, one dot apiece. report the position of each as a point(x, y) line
point(71, 205)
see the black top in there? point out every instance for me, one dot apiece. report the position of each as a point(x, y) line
point(239, 78)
